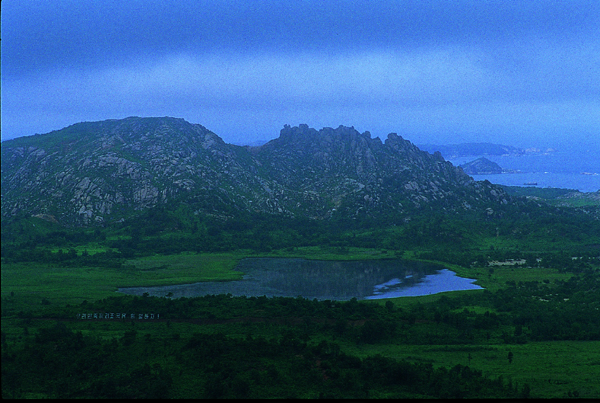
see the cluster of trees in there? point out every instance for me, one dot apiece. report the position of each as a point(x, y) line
point(60, 363)
point(66, 258)
point(519, 313)
point(455, 239)
point(574, 260)
point(534, 310)
point(289, 360)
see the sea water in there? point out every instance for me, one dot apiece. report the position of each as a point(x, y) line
point(577, 169)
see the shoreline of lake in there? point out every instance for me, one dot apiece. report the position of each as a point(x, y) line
point(323, 280)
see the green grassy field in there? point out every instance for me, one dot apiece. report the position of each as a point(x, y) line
point(30, 283)
point(91, 248)
point(552, 369)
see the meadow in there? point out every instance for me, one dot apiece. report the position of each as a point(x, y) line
point(33, 293)
point(552, 369)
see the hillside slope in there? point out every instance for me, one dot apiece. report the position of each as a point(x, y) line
point(95, 172)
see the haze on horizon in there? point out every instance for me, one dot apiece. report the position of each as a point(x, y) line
point(523, 73)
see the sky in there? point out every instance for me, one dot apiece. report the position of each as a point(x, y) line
point(517, 72)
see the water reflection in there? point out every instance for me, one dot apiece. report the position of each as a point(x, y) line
point(442, 281)
point(320, 279)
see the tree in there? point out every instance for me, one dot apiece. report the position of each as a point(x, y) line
point(518, 330)
point(526, 391)
point(510, 357)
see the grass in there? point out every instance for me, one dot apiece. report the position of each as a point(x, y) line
point(184, 268)
point(329, 253)
point(501, 274)
point(574, 202)
point(551, 369)
point(91, 248)
point(31, 283)
point(498, 276)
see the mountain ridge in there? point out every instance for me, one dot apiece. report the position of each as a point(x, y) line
point(94, 172)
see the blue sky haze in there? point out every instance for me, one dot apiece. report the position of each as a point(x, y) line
point(522, 72)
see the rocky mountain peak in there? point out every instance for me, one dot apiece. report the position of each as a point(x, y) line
point(92, 172)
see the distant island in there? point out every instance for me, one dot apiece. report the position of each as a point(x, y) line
point(468, 149)
point(450, 151)
point(481, 166)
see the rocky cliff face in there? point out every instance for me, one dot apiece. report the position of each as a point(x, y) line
point(350, 173)
point(98, 171)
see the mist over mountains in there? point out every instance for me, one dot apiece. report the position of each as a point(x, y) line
point(469, 149)
point(96, 172)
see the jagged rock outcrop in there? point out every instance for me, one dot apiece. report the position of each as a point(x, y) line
point(350, 173)
point(97, 171)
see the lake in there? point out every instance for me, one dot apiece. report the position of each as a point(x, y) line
point(323, 280)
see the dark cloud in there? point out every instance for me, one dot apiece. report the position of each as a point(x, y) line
point(40, 35)
point(526, 70)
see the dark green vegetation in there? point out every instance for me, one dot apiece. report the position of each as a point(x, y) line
point(558, 197)
point(540, 308)
point(157, 201)
point(241, 347)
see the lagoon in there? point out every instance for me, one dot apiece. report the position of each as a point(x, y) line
point(323, 280)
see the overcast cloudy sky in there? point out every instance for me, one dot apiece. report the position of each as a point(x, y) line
point(524, 73)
